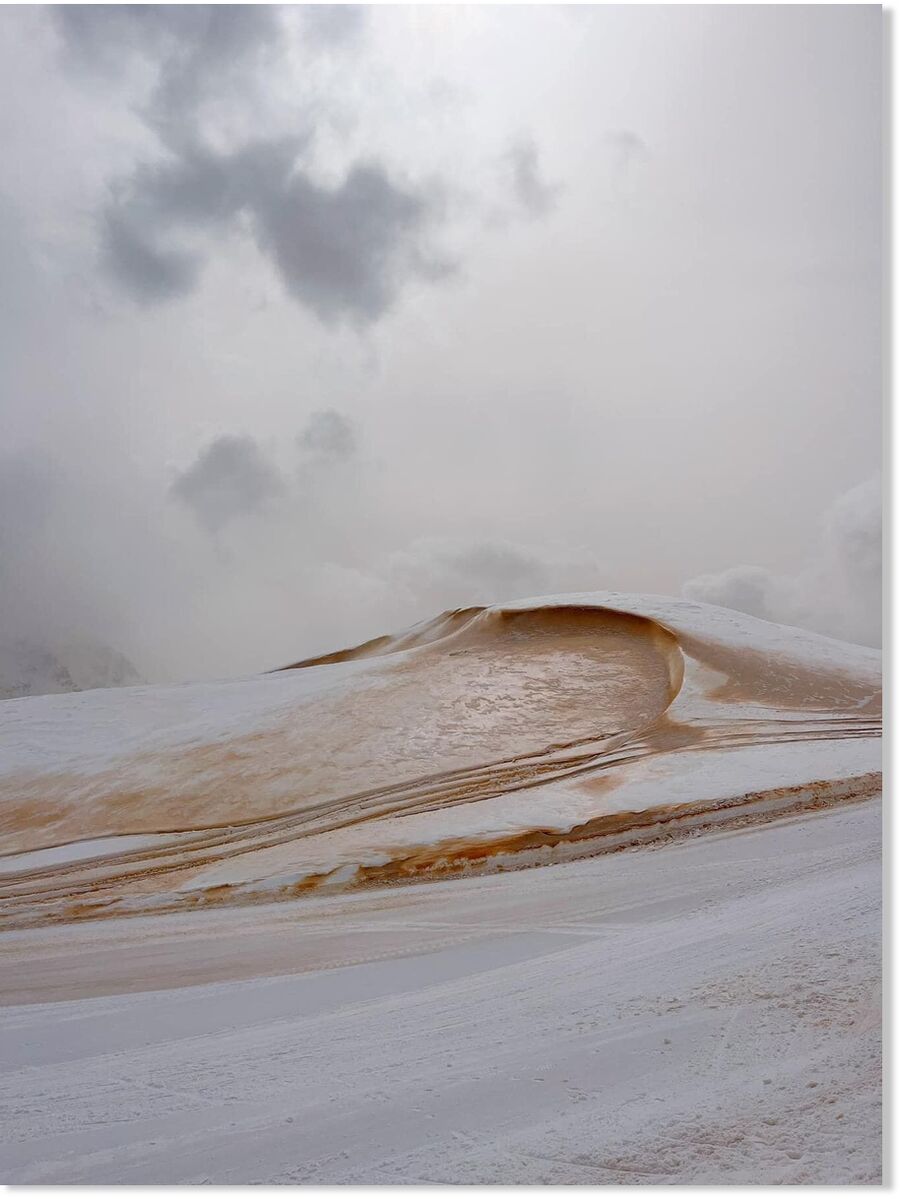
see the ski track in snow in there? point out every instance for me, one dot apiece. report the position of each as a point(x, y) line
point(707, 1011)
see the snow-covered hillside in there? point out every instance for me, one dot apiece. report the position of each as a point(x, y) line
point(484, 739)
point(638, 936)
point(706, 1011)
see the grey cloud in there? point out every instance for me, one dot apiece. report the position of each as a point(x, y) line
point(497, 569)
point(193, 190)
point(226, 40)
point(749, 356)
point(836, 592)
point(446, 572)
point(230, 478)
point(328, 434)
point(103, 36)
point(343, 252)
point(332, 25)
point(533, 192)
point(750, 589)
point(194, 50)
point(842, 592)
point(151, 274)
point(191, 47)
point(197, 188)
point(853, 533)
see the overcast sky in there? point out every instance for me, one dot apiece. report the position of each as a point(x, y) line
point(316, 321)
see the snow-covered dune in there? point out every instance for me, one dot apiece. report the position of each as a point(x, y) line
point(256, 1005)
point(486, 739)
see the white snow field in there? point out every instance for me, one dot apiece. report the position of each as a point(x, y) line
point(579, 890)
point(704, 1011)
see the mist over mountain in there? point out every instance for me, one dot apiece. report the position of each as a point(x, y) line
point(29, 667)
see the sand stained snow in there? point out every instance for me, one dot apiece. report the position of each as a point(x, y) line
point(706, 1011)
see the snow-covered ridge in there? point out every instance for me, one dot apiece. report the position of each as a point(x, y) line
point(30, 668)
point(724, 627)
point(525, 728)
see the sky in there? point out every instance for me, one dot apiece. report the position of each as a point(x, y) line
point(319, 320)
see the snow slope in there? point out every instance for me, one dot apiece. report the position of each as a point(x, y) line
point(637, 940)
point(705, 1011)
point(487, 738)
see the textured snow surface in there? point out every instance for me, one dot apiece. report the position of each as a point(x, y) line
point(512, 735)
point(706, 1011)
point(637, 940)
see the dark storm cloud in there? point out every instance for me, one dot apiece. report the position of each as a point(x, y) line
point(343, 252)
point(328, 434)
point(533, 192)
point(230, 478)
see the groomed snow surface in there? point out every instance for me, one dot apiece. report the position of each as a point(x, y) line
point(706, 1011)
